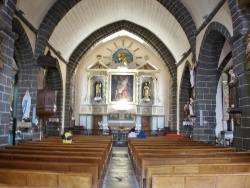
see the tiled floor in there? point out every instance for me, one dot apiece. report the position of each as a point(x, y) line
point(120, 173)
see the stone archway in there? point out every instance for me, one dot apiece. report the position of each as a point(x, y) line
point(207, 77)
point(185, 94)
point(28, 70)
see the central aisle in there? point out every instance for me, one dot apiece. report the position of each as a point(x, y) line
point(120, 172)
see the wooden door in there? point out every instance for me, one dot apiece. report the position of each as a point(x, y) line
point(146, 123)
point(96, 119)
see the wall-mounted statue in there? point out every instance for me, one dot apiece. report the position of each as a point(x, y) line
point(186, 111)
point(191, 69)
point(146, 91)
point(233, 97)
point(98, 89)
point(191, 107)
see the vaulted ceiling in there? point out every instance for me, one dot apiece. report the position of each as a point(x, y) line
point(90, 15)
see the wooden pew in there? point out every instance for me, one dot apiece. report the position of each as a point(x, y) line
point(91, 168)
point(193, 169)
point(141, 172)
point(241, 180)
point(182, 150)
point(36, 178)
point(146, 152)
point(136, 158)
point(196, 155)
point(55, 156)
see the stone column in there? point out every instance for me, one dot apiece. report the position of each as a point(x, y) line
point(7, 40)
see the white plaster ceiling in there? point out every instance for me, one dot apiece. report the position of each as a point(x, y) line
point(198, 9)
point(90, 15)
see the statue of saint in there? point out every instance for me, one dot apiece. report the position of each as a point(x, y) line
point(233, 98)
point(191, 107)
point(122, 59)
point(98, 88)
point(186, 110)
point(191, 70)
point(146, 92)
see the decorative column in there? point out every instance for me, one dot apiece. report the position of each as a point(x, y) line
point(89, 88)
point(138, 89)
point(155, 90)
point(225, 90)
point(106, 91)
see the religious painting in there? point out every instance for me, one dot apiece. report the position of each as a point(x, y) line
point(122, 87)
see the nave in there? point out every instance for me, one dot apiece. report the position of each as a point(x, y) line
point(120, 172)
point(96, 162)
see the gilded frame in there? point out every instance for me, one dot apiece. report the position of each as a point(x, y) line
point(122, 88)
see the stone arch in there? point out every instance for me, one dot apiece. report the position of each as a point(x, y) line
point(53, 17)
point(224, 63)
point(28, 70)
point(184, 94)
point(207, 77)
point(146, 35)
point(239, 17)
point(184, 18)
point(61, 7)
point(7, 12)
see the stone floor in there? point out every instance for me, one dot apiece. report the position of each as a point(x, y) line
point(120, 173)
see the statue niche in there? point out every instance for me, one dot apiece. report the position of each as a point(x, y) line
point(98, 91)
point(146, 92)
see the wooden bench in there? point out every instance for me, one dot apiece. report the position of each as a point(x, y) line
point(196, 155)
point(91, 168)
point(181, 151)
point(147, 152)
point(106, 152)
point(186, 153)
point(87, 156)
point(241, 180)
point(36, 178)
point(141, 172)
point(193, 169)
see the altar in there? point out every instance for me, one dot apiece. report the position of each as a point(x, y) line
point(121, 124)
point(122, 97)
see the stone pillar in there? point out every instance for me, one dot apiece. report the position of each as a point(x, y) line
point(7, 40)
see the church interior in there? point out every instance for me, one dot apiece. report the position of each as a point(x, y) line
point(98, 69)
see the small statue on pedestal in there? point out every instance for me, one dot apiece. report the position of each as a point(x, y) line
point(233, 97)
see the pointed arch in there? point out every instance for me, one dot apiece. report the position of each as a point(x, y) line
point(28, 70)
point(207, 77)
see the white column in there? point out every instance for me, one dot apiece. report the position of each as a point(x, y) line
point(154, 90)
point(137, 87)
point(225, 100)
point(106, 90)
point(89, 88)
